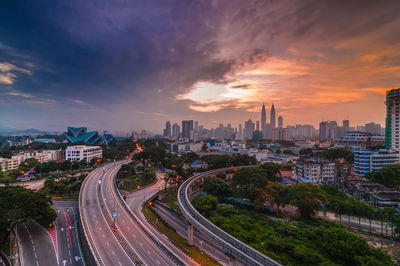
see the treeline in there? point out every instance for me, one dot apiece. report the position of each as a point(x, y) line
point(130, 176)
point(292, 243)
point(330, 154)
point(18, 204)
point(65, 187)
point(388, 176)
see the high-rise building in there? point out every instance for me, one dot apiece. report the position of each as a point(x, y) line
point(280, 121)
point(176, 130)
point(393, 119)
point(272, 116)
point(240, 128)
point(258, 125)
point(263, 120)
point(196, 125)
point(327, 130)
point(187, 128)
point(167, 130)
point(248, 129)
point(373, 128)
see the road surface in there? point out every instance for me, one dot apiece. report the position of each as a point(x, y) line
point(68, 247)
point(177, 221)
point(36, 245)
point(99, 201)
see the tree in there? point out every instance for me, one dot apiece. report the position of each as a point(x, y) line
point(387, 175)
point(204, 148)
point(21, 204)
point(272, 170)
point(307, 152)
point(307, 197)
point(205, 204)
point(338, 153)
point(247, 180)
point(190, 157)
point(217, 187)
point(5, 153)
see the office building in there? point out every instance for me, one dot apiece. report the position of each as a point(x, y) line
point(393, 119)
point(373, 128)
point(366, 161)
point(240, 129)
point(196, 126)
point(263, 120)
point(356, 140)
point(272, 116)
point(167, 130)
point(176, 130)
point(83, 152)
point(327, 130)
point(280, 121)
point(248, 129)
point(258, 125)
point(187, 129)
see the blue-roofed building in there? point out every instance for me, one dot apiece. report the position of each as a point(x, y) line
point(80, 134)
point(366, 161)
point(45, 140)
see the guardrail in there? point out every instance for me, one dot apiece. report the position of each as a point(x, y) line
point(149, 234)
point(93, 250)
point(234, 247)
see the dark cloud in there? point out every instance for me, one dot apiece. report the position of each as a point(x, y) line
point(137, 56)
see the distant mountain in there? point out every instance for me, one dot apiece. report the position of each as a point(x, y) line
point(25, 132)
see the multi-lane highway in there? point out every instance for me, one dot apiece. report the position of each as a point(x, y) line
point(130, 241)
point(68, 246)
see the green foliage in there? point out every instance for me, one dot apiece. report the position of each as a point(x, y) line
point(68, 187)
point(205, 204)
point(154, 153)
point(18, 203)
point(307, 152)
point(5, 153)
point(131, 176)
point(248, 180)
point(221, 161)
point(338, 153)
point(388, 176)
point(322, 243)
point(118, 149)
point(217, 187)
point(307, 197)
point(272, 170)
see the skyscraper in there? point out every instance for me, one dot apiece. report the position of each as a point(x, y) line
point(187, 128)
point(280, 121)
point(240, 128)
point(196, 125)
point(393, 119)
point(176, 129)
point(272, 116)
point(263, 120)
point(167, 130)
point(327, 130)
point(258, 125)
point(248, 129)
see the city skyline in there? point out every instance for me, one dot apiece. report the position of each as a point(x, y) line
point(128, 66)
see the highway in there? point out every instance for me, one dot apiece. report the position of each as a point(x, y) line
point(68, 246)
point(35, 244)
point(241, 251)
point(130, 243)
point(177, 221)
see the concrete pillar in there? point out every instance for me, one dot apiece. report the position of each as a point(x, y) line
point(190, 235)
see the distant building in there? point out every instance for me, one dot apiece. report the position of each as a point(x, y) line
point(83, 152)
point(263, 121)
point(248, 129)
point(355, 140)
point(280, 121)
point(176, 130)
point(315, 171)
point(327, 130)
point(393, 119)
point(272, 116)
point(373, 128)
point(281, 134)
point(19, 141)
point(187, 128)
point(49, 140)
point(366, 161)
point(167, 130)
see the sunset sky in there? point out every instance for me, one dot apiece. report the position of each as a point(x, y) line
point(128, 65)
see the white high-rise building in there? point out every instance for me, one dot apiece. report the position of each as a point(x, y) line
point(393, 119)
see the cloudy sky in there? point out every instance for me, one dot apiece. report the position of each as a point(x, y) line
point(125, 65)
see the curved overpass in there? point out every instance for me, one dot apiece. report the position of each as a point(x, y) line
point(129, 241)
point(241, 251)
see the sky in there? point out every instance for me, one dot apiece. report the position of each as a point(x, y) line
point(131, 65)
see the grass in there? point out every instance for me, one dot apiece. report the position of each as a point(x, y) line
point(179, 241)
point(170, 197)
